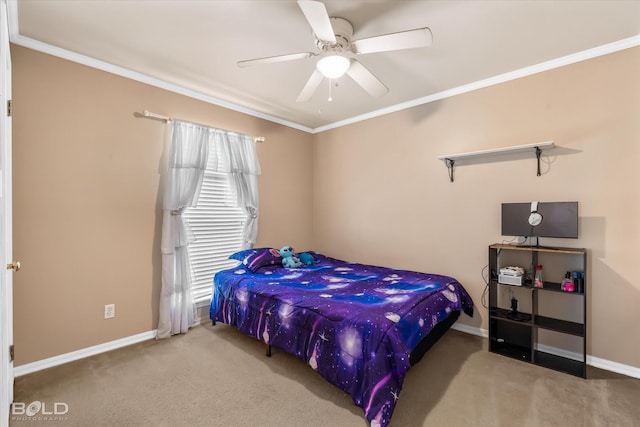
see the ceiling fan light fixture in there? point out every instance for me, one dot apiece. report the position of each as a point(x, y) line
point(333, 66)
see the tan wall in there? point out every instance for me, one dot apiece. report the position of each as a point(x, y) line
point(86, 208)
point(86, 216)
point(382, 197)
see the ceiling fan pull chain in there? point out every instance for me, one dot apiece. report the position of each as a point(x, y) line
point(330, 84)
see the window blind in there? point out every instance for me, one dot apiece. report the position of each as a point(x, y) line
point(217, 227)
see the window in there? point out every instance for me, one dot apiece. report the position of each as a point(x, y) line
point(217, 226)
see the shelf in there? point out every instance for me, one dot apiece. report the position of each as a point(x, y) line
point(526, 285)
point(548, 286)
point(450, 159)
point(502, 314)
point(546, 360)
point(503, 150)
point(553, 287)
point(510, 350)
point(548, 249)
point(518, 337)
point(559, 325)
point(562, 364)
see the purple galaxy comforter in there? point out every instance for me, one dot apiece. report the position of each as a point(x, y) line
point(355, 324)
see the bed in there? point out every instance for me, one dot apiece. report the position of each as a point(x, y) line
point(361, 327)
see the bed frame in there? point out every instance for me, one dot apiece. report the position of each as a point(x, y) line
point(421, 349)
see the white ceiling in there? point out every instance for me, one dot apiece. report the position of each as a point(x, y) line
point(193, 46)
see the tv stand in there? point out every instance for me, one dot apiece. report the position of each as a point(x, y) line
point(551, 318)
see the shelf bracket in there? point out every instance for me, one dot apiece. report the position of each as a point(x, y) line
point(538, 152)
point(450, 163)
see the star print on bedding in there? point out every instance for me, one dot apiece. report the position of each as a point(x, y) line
point(354, 324)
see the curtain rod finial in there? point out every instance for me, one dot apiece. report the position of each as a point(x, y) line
point(149, 115)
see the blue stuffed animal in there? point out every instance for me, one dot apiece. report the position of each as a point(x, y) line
point(289, 260)
point(306, 258)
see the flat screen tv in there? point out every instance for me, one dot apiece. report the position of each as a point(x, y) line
point(559, 220)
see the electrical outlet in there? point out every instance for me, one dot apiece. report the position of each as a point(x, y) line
point(109, 311)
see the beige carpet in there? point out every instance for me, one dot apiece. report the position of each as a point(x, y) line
point(215, 376)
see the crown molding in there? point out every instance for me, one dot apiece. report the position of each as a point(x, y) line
point(16, 38)
point(143, 78)
point(502, 78)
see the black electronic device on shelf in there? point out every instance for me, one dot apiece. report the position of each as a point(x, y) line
point(540, 219)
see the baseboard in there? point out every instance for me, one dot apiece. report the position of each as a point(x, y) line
point(561, 352)
point(61, 359)
point(202, 314)
point(596, 362)
point(29, 368)
point(470, 330)
point(608, 365)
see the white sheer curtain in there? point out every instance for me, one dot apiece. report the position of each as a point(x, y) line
point(232, 153)
point(236, 155)
point(183, 179)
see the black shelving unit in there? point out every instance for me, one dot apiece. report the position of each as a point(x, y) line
point(515, 334)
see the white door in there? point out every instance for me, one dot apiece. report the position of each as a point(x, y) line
point(6, 239)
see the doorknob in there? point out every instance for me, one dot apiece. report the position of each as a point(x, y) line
point(15, 266)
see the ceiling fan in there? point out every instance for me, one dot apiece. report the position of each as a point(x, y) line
point(337, 50)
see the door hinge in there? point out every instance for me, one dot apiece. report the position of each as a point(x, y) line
point(11, 353)
point(9, 108)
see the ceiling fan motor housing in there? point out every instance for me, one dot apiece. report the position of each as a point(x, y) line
point(343, 31)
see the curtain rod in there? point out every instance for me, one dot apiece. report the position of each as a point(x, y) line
point(146, 114)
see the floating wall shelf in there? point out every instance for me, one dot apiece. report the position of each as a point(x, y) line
point(450, 159)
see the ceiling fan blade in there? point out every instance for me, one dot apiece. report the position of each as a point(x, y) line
point(318, 18)
point(366, 79)
point(272, 59)
point(396, 41)
point(311, 86)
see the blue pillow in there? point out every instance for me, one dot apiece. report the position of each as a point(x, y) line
point(255, 258)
